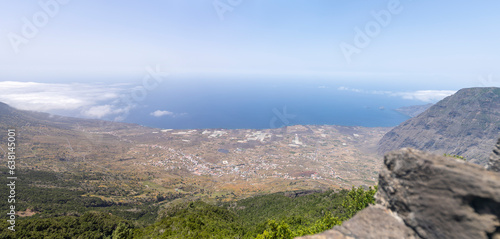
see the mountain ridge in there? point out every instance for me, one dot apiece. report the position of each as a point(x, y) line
point(466, 123)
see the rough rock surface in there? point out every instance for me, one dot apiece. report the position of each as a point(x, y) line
point(466, 124)
point(494, 163)
point(441, 197)
point(428, 196)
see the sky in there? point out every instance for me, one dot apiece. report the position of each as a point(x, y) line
point(85, 47)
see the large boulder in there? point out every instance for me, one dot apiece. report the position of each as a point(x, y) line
point(494, 163)
point(441, 197)
point(428, 196)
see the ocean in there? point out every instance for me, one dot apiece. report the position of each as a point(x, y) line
point(261, 104)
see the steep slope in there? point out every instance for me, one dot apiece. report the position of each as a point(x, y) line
point(466, 123)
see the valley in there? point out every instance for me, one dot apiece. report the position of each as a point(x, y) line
point(148, 181)
point(232, 163)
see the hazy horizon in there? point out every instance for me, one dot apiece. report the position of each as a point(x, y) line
point(102, 59)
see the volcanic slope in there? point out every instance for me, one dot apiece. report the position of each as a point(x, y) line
point(466, 123)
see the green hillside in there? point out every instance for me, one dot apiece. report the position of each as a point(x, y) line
point(63, 210)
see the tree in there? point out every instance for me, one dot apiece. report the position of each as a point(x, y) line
point(122, 231)
point(358, 199)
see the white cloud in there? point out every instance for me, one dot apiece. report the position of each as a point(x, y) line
point(98, 111)
point(160, 113)
point(426, 95)
point(87, 100)
point(422, 95)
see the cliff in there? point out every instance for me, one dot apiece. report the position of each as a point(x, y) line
point(466, 123)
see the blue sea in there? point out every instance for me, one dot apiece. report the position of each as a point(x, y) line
point(261, 104)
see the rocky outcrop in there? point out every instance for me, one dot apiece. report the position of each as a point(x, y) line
point(494, 163)
point(440, 197)
point(428, 196)
point(466, 124)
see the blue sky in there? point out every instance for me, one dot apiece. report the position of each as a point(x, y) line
point(455, 40)
point(430, 45)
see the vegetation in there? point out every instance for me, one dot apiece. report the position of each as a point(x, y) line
point(351, 202)
point(456, 156)
point(89, 225)
point(266, 216)
point(195, 220)
point(60, 207)
point(50, 194)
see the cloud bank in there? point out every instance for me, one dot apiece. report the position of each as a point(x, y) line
point(421, 95)
point(86, 100)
